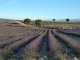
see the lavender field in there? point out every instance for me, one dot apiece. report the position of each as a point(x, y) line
point(19, 42)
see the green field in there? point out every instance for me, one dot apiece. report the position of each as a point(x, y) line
point(63, 25)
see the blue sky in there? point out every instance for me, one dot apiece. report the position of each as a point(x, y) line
point(40, 9)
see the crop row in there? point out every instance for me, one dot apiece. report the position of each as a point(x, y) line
point(11, 31)
point(8, 41)
point(31, 51)
point(32, 42)
point(74, 45)
point(29, 33)
point(10, 49)
point(75, 32)
point(56, 49)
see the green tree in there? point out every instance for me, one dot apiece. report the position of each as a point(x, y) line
point(27, 21)
point(67, 20)
point(53, 19)
point(38, 22)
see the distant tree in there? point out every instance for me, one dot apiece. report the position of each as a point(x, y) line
point(38, 22)
point(53, 19)
point(67, 20)
point(27, 21)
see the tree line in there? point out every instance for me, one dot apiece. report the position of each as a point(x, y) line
point(38, 22)
point(67, 20)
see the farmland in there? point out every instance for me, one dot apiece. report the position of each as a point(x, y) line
point(54, 41)
point(61, 25)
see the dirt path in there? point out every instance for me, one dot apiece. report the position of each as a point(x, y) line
point(44, 53)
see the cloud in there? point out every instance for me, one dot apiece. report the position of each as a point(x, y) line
point(8, 4)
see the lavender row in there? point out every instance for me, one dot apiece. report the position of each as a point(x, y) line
point(11, 31)
point(74, 45)
point(35, 32)
point(7, 51)
point(9, 41)
point(31, 51)
point(29, 33)
point(56, 49)
point(16, 35)
point(19, 35)
point(21, 40)
point(72, 31)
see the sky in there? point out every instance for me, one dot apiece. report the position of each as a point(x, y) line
point(40, 9)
